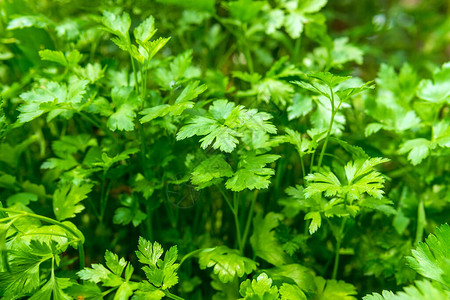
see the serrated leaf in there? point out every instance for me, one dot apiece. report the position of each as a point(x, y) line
point(53, 97)
point(66, 204)
point(316, 221)
point(289, 291)
point(224, 123)
point(212, 168)
point(252, 173)
point(54, 56)
point(432, 258)
point(438, 90)
point(423, 290)
point(126, 102)
point(227, 263)
point(117, 24)
point(259, 289)
point(418, 149)
point(145, 30)
point(302, 276)
point(54, 287)
point(160, 273)
point(264, 242)
point(332, 289)
point(361, 178)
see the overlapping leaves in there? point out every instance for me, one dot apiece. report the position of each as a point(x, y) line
point(224, 123)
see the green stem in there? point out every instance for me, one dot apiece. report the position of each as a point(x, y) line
point(143, 149)
point(247, 54)
point(249, 220)
point(311, 163)
point(296, 50)
point(225, 196)
point(302, 163)
point(172, 296)
point(189, 255)
point(338, 247)
point(236, 220)
point(421, 219)
point(248, 58)
point(136, 82)
point(97, 124)
point(109, 291)
point(148, 220)
point(333, 114)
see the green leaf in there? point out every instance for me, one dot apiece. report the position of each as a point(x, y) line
point(423, 290)
point(53, 97)
point(361, 178)
point(227, 263)
point(259, 289)
point(111, 276)
point(438, 90)
point(160, 273)
point(302, 105)
point(117, 24)
point(432, 258)
point(191, 91)
point(244, 10)
point(289, 291)
point(70, 60)
point(323, 181)
point(418, 149)
point(332, 289)
point(145, 30)
point(54, 56)
point(296, 274)
point(252, 173)
point(53, 287)
point(66, 204)
point(224, 123)
point(96, 273)
point(344, 52)
point(24, 263)
point(316, 221)
point(212, 168)
point(264, 242)
point(146, 291)
point(155, 112)
point(126, 102)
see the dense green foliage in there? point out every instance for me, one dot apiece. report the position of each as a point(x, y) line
point(202, 149)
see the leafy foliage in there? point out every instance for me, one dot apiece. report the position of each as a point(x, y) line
point(246, 137)
point(227, 263)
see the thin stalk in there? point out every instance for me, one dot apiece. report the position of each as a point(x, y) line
point(247, 54)
point(249, 220)
point(296, 50)
point(172, 296)
point(421, 219)
point(333, 114)
point(189, 255)
point(311, 163)
point(136, 81)
point(248, 58)
point(148, 222)
point(338, 247)
point(143, 148)
point(104, 197)
point(302, 163)
point(225, 196)
point(108, 291)
point(97, 124)
point(236, 221)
